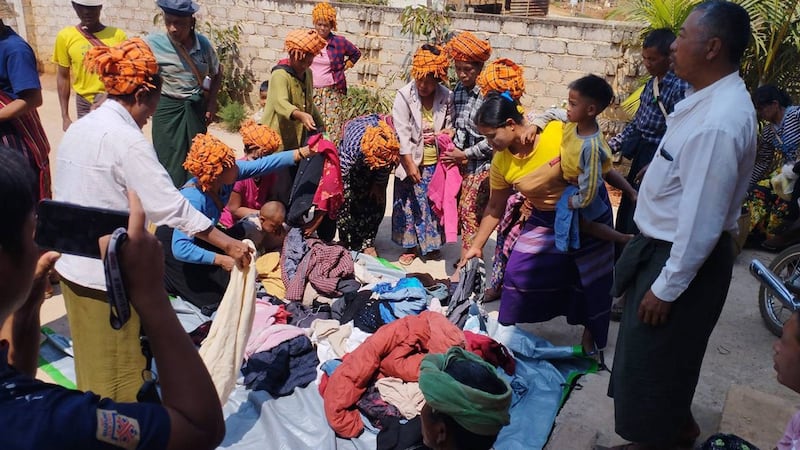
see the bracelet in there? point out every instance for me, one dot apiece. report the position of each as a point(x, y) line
point(115, 287)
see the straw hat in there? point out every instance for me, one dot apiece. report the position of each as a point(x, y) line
point(6, 11)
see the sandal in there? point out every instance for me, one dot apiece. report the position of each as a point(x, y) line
point(406, 259)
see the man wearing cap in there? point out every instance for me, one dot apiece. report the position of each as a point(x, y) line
point(472, 151)
point(20, 95)
point(72, 42)
point(192, 77)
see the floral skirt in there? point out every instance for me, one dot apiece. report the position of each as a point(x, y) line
point(768, 212)
point(413, 221)
point(329, 104)
point(362, 212)
point(472, 203)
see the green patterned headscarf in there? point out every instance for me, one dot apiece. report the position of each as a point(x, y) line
point(477, 411)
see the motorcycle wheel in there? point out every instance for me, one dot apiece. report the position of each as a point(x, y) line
point(785, 266)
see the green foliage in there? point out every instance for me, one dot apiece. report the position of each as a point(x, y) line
point(361, 101)
point(232, 115)
point(655, 13)
point(774, 49)
point(237, 77)
point(423, 22)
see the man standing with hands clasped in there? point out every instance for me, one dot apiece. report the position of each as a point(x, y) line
point(676, 273)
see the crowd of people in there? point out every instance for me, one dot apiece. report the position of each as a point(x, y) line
point(466, 162)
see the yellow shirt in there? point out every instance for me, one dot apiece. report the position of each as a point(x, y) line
point(584, 161)
point(70, 48)
point(429, 154)
point(507, 169)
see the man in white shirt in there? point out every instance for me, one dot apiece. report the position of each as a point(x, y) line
point(101, 157)
point(676, 273)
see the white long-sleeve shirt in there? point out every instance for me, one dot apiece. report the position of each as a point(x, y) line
point(695, 185)
point(100, 158)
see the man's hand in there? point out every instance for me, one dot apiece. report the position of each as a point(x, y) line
point(305, 118)
point(40, 279)
point(455, 156)
point(654, 311)
point(414, 175)
point(239, 251)
point(65, 122)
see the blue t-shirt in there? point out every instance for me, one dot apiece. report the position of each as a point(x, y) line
point(18, 69)
point(37, 415)
point(183, 247)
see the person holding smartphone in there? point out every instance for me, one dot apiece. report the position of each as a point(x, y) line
point(42, 415)
point(101, 158)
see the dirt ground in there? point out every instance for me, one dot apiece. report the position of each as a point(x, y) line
point(739, 352)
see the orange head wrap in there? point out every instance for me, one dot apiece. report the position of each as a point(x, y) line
point(380, 146)
point(324, 12)
point(429, 59)
point(261, 137)
point(301, 42)
point(467, 47)
point(502, 75)
point(207, 158)
point(123, 68)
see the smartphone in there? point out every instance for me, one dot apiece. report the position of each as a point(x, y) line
point(74, 229)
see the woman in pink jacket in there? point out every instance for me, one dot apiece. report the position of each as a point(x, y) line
point(422, 109)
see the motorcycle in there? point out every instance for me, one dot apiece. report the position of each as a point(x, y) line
point(780, 287)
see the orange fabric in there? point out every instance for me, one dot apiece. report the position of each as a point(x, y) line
point(427, 62)
point(324, 12)
point(467, 47)
point(263, 138)
point(123, 68)
point(502, 75)
point(301, 42)
point(380, 146)
point(395, 350)
point(207, 158)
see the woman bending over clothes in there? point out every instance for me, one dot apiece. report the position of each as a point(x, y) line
point(198, 272)
point(777, 145)
point(330, 85)
point(368, 153)
point(422, 109)
point(540, 281)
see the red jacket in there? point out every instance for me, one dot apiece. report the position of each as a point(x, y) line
point(395, 350)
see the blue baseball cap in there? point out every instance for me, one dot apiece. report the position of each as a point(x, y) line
point(181, 8)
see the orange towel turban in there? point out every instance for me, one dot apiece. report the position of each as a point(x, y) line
point(324, 12)
point(380, 146)
point(123, 68)
point(502, 75)
point(467, 47)
point(263, 138)
point(429, 59)
point(300, 42)
point(207, 158)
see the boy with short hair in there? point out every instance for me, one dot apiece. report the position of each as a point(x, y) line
point(585, 160)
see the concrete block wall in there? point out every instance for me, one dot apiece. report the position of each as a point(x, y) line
point(553, 51)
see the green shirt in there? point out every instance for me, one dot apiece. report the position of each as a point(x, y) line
point(287, 94)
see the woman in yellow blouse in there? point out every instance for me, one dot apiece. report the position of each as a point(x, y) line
point(540, 281)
